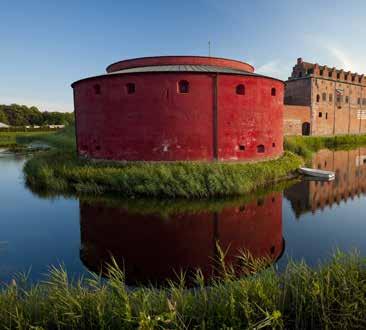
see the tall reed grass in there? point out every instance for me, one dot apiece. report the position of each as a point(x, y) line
point(329, 297)
point(62, 171)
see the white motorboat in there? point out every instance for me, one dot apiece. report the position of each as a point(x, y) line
point(317, 173)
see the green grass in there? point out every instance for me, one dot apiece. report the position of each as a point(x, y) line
point(305, 146)
point(64, 172)
point(61, 171)
point(331, 296)
point(12, 138)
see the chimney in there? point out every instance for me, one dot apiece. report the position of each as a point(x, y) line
point(299, 60)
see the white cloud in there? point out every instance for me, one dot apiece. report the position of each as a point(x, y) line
point(274, 69)
point(42, 105)
point(346, 61)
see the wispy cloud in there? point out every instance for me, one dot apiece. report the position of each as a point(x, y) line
point(346, 61)
point(275, 68)
point(42, 105)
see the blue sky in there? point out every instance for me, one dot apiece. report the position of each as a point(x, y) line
point(46, 45)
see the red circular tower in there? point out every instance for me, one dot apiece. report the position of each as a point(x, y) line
point(174, 108)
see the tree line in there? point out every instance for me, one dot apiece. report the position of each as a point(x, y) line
point(21, 115)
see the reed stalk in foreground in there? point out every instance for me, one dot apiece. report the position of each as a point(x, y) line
point(331, 297)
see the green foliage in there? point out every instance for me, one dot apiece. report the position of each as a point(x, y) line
point(21, 115)
point(333, 296)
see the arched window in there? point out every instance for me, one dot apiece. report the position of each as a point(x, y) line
point(318, 98)
point(130, 88)
point(97, 89)
point(240, 89)
point(260, 148)
point(273, 91)
point(183, 87)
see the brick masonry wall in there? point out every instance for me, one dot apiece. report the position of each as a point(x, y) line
point(316, 86)
point(294, 117)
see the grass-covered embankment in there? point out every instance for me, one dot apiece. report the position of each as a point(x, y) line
point(305, 146)
point(330, 297)
point(62, 171)
point(12, 138)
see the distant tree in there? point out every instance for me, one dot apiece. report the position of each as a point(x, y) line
point(21, 115)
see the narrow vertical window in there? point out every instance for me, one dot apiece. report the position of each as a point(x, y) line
point(183, 87)
point(130, 88)
point(318, 98)
point(330, 97)
point(347, 99)
point(273, 91)
point(97, 89)
point(240, 89)
point(324, 97)
point(320, 114)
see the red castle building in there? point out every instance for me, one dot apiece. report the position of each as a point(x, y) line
point(174, 108)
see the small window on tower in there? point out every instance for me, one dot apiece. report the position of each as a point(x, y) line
point(240, 90)
point(97, 89)
point(130, 87)
point(183, 87)
point(318, 98)
point(273, 91)
point(260, 148)
point(241, 147)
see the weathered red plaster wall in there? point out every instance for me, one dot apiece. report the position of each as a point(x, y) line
point(159, 124)
point(249, 120)
point(152, 248)
point(156, 123)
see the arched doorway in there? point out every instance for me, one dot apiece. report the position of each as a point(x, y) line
point(306, 128)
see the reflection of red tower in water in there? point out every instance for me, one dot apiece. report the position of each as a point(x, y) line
point(152, 248)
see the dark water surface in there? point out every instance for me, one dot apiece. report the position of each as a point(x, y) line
point(152, 239)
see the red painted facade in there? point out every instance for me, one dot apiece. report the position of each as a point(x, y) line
point(154, 121)
point(153, 248)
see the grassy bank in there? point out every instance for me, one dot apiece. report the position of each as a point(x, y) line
point(330, 297)
point(12, 138)
point(305, 146)
point(60, 171)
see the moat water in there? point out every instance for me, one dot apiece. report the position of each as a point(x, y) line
point(153, 240)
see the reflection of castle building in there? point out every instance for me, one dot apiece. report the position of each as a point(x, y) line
point(152, 248)
point(323, 101)
point(350, 169)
